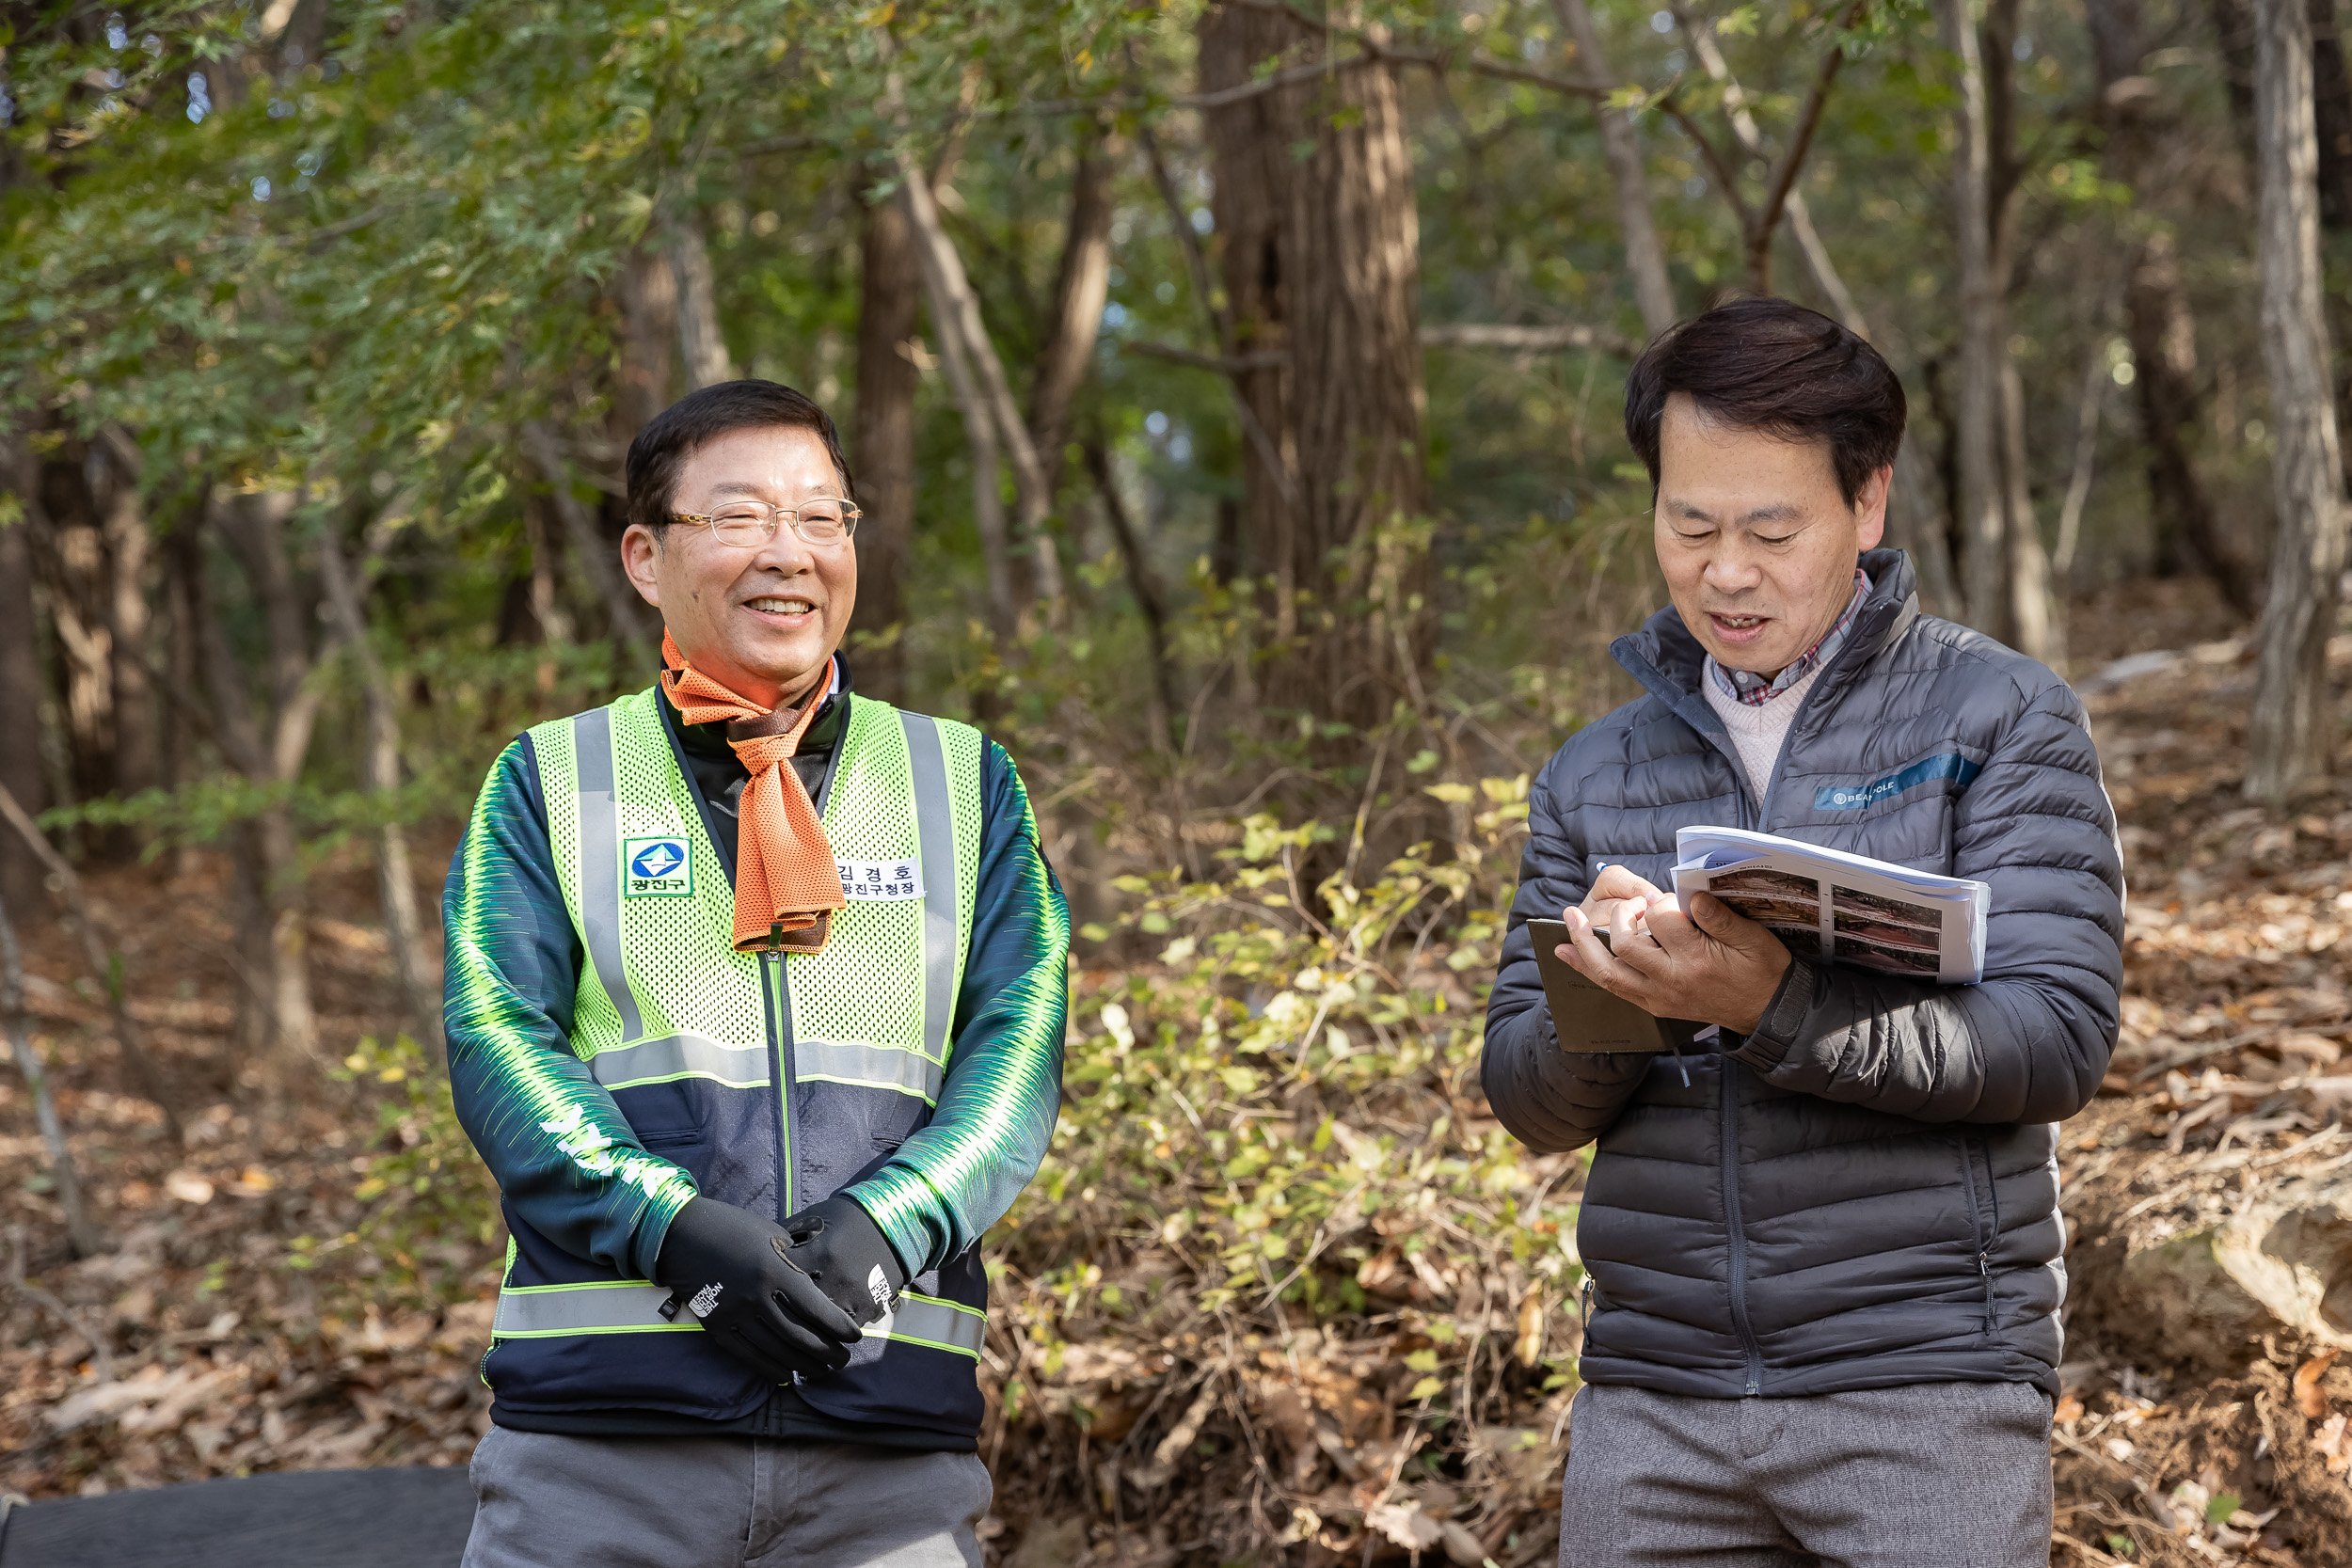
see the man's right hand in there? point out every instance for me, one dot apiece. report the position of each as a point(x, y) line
point(1619, 904)
point(732, 1270)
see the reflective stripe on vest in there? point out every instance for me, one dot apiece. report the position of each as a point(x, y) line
point(608, 1306)
point(600, 864)
point(666, 1059)
point(675, 1056)
point(873, 1066)
point(920, 1320)
point(634, 1307)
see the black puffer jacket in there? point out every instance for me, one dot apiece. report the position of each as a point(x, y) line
point(1863, 1193)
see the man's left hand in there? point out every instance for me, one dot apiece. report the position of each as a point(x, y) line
point(1710, 963)
point(844, 1252)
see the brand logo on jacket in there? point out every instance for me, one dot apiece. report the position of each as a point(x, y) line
point(656, 868)
point(1951, 764)
point(880, 880)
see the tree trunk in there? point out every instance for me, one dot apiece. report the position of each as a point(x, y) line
point(1322, 266)
point(122, 524)
point(379, 774)
point(702, 351)
point(550, 623)
point(882, 444)
point(1079, 292)
point(1621, 145)
point(2037, 623)
point(1145, 585)
point(649, 334)
point(2163, 336)
point(949, 295)
point(1249, 142)
point(2331, 114)
point(623, 609)
point(71, 554)
point(2157, 322)
point(2293, 735)
point(977, 373)
point(2034, 610)
point(276, 938)
point(1984, 556)
point(22, 688)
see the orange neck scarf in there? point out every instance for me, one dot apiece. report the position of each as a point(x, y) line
point(786, 885)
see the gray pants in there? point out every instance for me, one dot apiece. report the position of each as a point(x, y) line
point(543, 1502)
point(1936, 1474)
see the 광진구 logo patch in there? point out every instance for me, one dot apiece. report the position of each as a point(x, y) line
point(656, 868)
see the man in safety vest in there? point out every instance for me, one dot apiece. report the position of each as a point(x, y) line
point(756, 995)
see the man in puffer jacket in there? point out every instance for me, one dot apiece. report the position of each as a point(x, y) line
point(1823, 1251)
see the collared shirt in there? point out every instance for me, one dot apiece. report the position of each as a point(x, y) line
point(1747, 687)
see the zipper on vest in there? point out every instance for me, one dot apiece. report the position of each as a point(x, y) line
point(1737, 1229)
point(780, 1041)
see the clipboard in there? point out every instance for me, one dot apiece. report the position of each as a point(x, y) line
point(1591, 1020)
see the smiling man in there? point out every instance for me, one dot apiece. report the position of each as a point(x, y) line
point(1822, 1256)
point(755, 1006)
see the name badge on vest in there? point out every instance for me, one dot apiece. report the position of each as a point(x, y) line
point(656, 868)
point(880, 880)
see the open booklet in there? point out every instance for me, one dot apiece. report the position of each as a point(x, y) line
point(1846, 907)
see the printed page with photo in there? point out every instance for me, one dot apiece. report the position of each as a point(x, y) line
point(1846, 908)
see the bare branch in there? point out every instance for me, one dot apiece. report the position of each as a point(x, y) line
point(102, 1358)
point(596, 555)
point(1230, 364)
point(1726, 179)
point(1621, 143)
point(1220, 317)
point(1552, 338)
point(85, 1236)
point(105, 965)
point(1545, 338)
point(1793, 157)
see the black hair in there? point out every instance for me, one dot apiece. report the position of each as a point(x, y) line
point(1774, 367)
point(673, 436)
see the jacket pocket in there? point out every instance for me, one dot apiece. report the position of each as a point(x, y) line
point(1984, 1215)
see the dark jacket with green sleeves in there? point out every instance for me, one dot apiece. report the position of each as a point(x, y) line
point(1863, 1193)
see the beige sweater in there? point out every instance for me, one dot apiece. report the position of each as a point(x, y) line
point(1756, 730)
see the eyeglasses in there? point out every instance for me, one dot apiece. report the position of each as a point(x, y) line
point(825, 520)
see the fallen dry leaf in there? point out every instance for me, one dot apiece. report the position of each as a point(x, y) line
point(2309, 1397)
point(1529, 1348)
point(1406, 1525)
point(189, 1187)
point(2332, 1444)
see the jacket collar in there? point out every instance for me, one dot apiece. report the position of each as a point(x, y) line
point(1670, 663)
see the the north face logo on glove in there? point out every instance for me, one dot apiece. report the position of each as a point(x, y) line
point(705, 1299)
point(878, 1286)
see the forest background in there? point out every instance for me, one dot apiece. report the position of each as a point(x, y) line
point(1234, 395)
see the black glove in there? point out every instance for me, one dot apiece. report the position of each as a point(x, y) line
point(848, 1255)
point(735, 1272)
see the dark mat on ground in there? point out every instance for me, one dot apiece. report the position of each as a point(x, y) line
point(411, 1518)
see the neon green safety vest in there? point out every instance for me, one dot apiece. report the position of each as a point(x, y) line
point(774, 1079)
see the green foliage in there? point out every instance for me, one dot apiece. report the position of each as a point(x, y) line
point(431, 1210)
point(1273, 1120)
